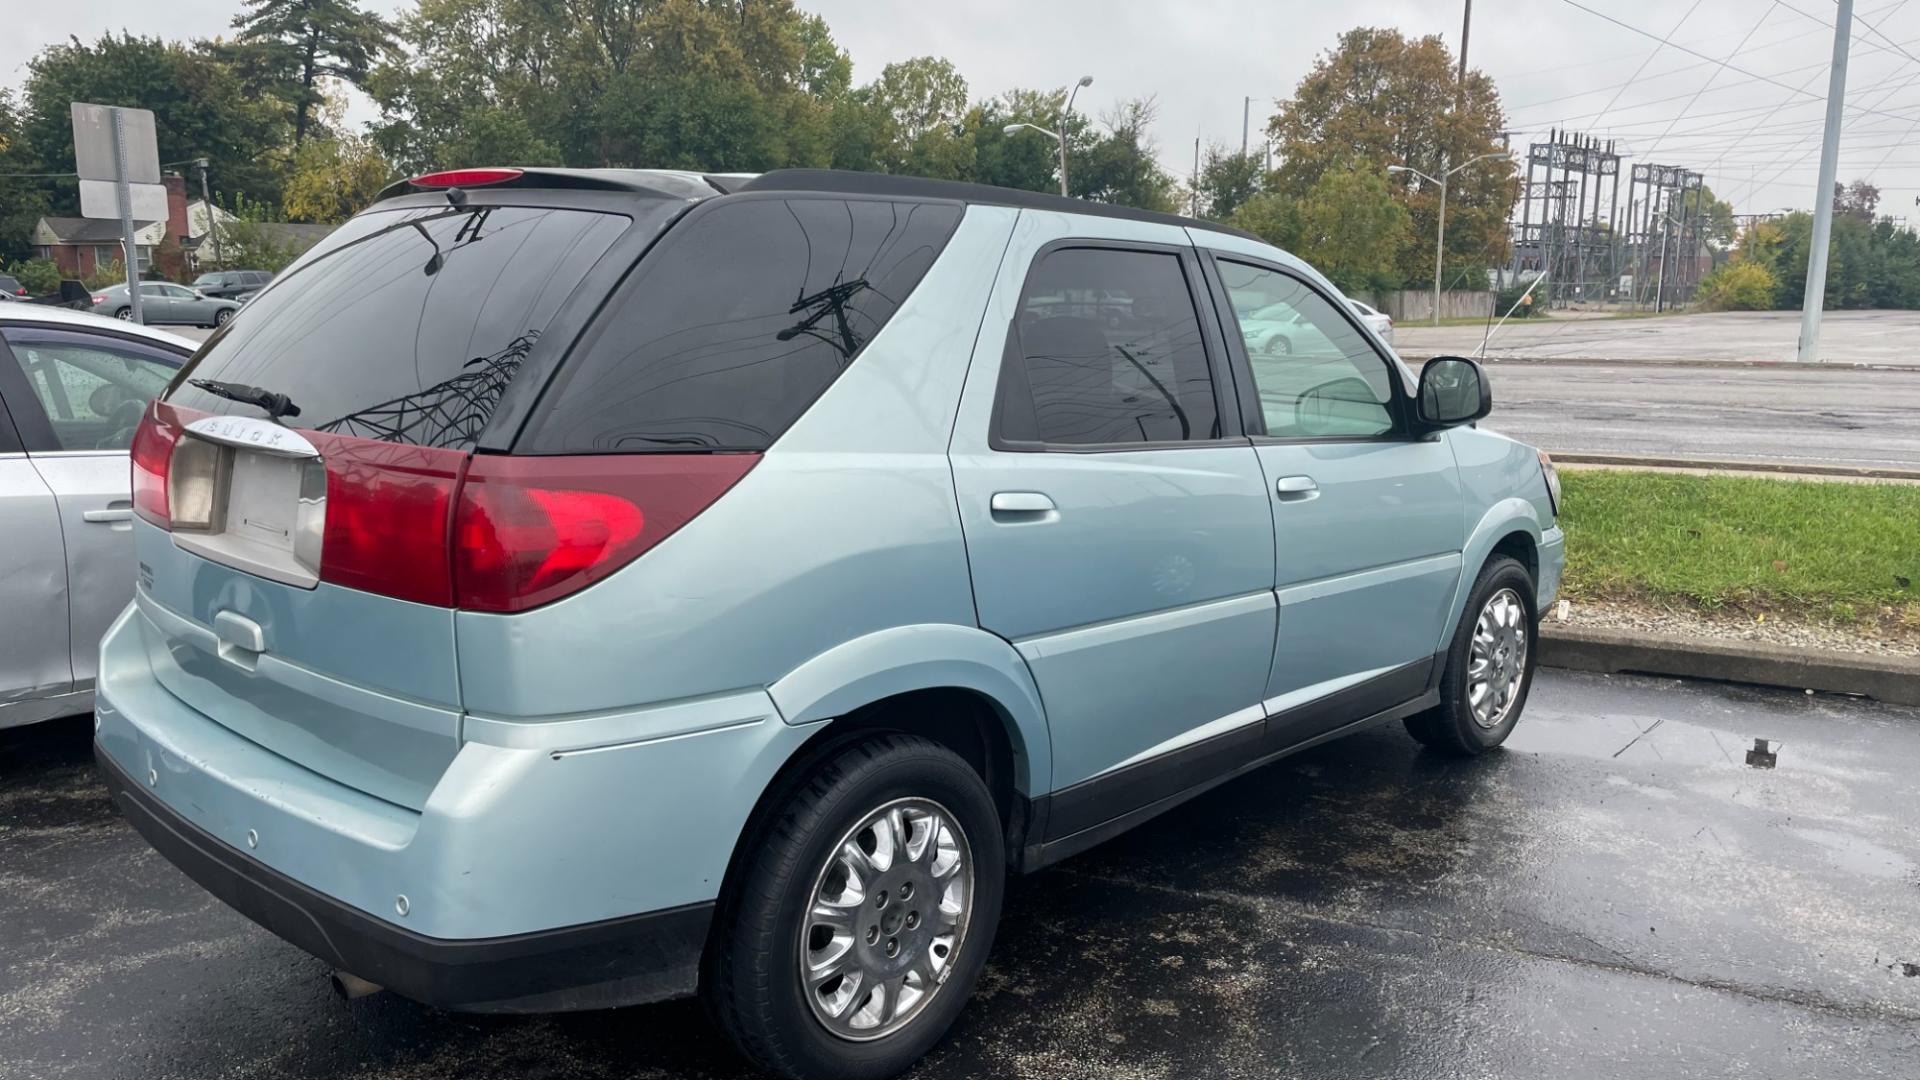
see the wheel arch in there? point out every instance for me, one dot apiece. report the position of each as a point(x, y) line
point(1510, 527)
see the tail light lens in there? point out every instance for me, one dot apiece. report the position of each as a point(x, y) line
point(152, 454)
point(99, 299)
point(529, 530)
point(387, 518)
point(442, 527)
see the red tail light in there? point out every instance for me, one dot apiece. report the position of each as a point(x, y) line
point(388, 507)
point(483, 533)
point(466, 178)
point(529, 530)
point(152, 452)
point(99, 299)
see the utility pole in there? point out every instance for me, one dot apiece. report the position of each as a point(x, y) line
point(1246, 121)
point(1195, 212)
point(206, 201)
point(1466, 24)
point(1823, 199)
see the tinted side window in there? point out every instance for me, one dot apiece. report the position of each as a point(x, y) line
point(1106, 349)
point(745, 314)
point(407, 325)
point(1315, 372)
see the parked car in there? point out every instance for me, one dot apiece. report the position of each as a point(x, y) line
point(162, 303)
point(232, 284)
point(1381, 323)
point(72, 387)
point(731, 611)
point(11, 289)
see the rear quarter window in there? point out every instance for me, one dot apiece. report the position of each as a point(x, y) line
point(406, 325)
point(743, 316)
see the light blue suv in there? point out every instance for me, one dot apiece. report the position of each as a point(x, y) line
point(566, 589)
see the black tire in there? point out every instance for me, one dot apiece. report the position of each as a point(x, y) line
point(1278, 345)
point(125, 314)
point(1451, 727)
point(221, 316)
point(753, 980)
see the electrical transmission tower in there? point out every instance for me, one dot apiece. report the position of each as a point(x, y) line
point(1592, 247)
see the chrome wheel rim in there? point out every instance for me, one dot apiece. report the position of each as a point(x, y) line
point(886, 919)
point(1498, 660)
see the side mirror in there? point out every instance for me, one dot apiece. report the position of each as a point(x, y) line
point(1453, 391)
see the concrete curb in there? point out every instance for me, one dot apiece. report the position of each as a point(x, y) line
point(1892, 679)
point(1657, 461)
point(1696, 362)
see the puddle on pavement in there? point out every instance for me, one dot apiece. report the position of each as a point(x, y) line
point(1633, 739)
point(1855, 855)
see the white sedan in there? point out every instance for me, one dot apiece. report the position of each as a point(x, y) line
point(1381, 322)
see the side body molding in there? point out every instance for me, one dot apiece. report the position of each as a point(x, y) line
point(925, 657)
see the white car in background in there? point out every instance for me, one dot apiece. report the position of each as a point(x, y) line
point(1380, 322)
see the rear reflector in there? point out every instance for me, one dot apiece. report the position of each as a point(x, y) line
point(530, 530)
point(466, 178)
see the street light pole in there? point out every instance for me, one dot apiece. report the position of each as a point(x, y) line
point(1085, 80)
point(1440, 244)
point(1816, 292)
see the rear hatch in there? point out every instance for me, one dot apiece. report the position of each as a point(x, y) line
point(297, 484)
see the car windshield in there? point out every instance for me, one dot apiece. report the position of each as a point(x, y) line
point(207, 279)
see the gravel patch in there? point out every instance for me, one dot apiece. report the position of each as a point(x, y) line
point(1734, 626)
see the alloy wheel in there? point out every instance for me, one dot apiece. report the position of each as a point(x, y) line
point(1497, 662)
point(886, 919)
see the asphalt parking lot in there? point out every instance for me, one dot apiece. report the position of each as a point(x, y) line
point(1618, 894)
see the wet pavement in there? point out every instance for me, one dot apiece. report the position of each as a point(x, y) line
point(1619, 894)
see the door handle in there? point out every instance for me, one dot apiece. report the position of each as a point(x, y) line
point(107, 516)
point(1296, 489)
point(1021, 505)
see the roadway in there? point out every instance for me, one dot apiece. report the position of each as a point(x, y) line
point(1829, 416)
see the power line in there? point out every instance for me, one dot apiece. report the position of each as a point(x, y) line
point(1738, 71)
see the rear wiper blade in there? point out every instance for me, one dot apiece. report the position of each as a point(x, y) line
point(275, 405)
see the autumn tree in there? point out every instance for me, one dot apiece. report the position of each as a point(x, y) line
point(1120, 166)
point(334, 176)
point(301, 43)
point(1381, 98)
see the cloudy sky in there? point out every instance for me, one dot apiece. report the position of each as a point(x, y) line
point(1737, 92)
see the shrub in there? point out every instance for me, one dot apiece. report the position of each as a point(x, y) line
point(37, 276)
point(1737, 286)
point(1507, 298)
point(113, 273)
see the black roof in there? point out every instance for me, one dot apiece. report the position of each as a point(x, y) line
point(665, 183)
point(916, 187)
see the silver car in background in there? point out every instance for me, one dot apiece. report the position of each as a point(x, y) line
point(164, 303)
point(72, 387)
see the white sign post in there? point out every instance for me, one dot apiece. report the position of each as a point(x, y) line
point(116, 153)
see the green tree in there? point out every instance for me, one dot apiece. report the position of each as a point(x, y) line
point(1739, 285)
point(300, 43)
point(1381, 98)
point(1717, 226)
point(245, 244)
point(1350, 227)
point(1025, 159)
point(200, 109)
point(921, 106)
point(37, 276)
point(1119, 166)
point(1228, 179)
point(1272, 217)
point(334, 177)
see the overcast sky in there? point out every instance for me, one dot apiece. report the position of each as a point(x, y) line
point(1754, 131)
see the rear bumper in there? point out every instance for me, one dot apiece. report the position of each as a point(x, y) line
point(648, 957)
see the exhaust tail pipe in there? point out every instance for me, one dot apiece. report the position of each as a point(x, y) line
point(350, 986)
